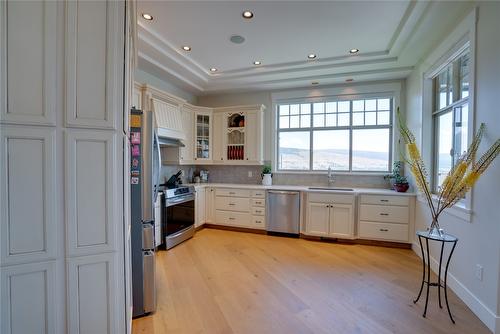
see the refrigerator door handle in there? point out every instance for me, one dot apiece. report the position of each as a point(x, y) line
point(157, 164)
point(149, 286)
point(148, 235)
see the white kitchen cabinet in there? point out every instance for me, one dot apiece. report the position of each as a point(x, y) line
point(318, 218)
point(386, 218)
point(200, 207)
point(239, 207)
point(218, 144)
point(137, 96)
point(254, 136)
point(238, 135)
point(62, 252)
point(210, 205)
point(202, 135)
point(330, 215)
point(186, 153)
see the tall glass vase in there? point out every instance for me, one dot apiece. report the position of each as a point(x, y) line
point(434, 229)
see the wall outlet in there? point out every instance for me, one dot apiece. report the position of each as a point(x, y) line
point(479, 272)
point(250, 173)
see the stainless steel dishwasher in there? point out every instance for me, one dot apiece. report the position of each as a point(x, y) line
point(283, 211)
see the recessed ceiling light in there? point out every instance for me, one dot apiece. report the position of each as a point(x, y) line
point(314, 83)
point(186, 48)
point(311, 56)
point(147, 16)
point(247, 14)
point(236, 39)
point(349, 80)
point(257, 62)
point(213, 69)
point(353, 51)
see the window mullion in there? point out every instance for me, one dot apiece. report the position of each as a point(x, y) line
point(350, 136)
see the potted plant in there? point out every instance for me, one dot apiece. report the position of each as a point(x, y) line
point(400, 183)
point(267, 176)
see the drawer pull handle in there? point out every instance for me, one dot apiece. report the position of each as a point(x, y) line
point(384, 200)
point(258, 222)
point(231, 218)
point(231, 193)
point(384, 214)
point(384, 230)
point(258, 211)
point(258, 202)
point(231, 204)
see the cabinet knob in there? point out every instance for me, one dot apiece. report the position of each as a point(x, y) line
point(221, 158)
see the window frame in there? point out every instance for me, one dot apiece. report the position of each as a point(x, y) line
point(311, 129)
point(456, 102)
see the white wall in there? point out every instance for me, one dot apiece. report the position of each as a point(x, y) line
point(479, 238)
point(144, 77)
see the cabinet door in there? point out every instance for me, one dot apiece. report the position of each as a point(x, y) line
point(317, 218)
point(200, 207)
point(187, 152)
point(210, 205)
point(341, 220)
point(253, 136)
point(203, 137)
point(218, 144)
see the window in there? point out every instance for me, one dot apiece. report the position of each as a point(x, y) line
point(450, 116)
point(345, 135)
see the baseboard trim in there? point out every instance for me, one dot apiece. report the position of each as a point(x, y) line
point(487, 316)
point(234, 228)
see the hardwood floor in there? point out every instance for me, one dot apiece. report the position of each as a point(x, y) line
point(233, 282)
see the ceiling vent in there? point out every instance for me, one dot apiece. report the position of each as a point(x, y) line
point(237, 39)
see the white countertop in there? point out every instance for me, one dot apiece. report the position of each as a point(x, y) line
point(374, 191)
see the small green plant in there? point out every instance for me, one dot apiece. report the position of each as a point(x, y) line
point(266, 169)
point(397, 167)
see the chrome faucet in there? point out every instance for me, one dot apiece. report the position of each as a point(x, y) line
point(331, 177)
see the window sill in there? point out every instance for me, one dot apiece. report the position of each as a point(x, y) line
point(459, 210)
point(333, 172)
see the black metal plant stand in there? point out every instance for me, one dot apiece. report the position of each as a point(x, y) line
point(444, 239)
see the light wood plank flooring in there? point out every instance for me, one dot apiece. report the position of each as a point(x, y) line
point(234, 282)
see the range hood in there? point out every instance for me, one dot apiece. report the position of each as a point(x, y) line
point(168, 119)
point(169, 142)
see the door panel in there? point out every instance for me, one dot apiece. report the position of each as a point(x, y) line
point(341, 220)
point(317, 218)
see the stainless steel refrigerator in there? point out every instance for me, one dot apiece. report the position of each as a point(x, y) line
point(145, 164)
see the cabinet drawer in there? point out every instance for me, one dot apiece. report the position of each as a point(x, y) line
point(232, 204)
point(232, 192)
point(384, 213)
point(258, 193)
point(385, 200)
point(258, 211)
point(383, 231)
point(330, 198)
point(258, 222)
point(258, 202)
point(232, 218)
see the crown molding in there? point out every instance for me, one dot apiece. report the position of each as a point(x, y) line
point(160, 53)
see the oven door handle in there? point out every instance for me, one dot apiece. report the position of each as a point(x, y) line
point(170, 202)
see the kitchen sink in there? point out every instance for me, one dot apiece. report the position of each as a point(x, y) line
point(331, 189)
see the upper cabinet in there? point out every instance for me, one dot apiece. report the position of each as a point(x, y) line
point(94, 76)
point(28, 62)
point(228, 135)
point(202, 135)
point(239, 134)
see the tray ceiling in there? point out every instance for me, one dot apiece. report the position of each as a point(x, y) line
point(281, 35)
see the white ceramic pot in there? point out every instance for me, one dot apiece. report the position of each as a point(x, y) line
point(267, 180)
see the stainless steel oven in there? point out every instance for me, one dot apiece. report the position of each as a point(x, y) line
point(179, 215)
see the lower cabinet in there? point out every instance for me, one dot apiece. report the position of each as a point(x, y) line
point(200, 209)
point(329, 219)
point(235, 207)
point(386, 218)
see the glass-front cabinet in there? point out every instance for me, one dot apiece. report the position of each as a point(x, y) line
point(235, 136)
point(203, 139)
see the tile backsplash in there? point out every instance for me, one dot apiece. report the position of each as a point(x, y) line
point(240, 174)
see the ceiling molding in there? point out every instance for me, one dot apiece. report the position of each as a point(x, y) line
point(160, 53)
